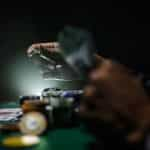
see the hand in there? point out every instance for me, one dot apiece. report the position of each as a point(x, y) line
point(50, 46)
point(114, 94)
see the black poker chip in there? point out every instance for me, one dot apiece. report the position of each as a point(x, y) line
point(28, 97)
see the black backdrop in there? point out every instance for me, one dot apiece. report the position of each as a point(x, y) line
point(121, 31)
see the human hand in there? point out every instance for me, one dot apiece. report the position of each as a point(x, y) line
point(115, 94)
point(48, 46)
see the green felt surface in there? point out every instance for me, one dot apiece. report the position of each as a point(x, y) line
point(58, 139)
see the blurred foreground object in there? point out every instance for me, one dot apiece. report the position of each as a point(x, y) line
point(20, 141)
point(115, 94)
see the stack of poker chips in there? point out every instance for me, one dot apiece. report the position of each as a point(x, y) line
point(35, 118)
point(22, 99)
point(56, 105)
point(9, 118)
point(63, 103)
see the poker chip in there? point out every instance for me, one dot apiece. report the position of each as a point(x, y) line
point(9, 127)
point(22, 99)
point(33, 123)
point(31, 105)
point(20, 141)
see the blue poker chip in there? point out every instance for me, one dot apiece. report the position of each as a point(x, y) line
point(72, 93)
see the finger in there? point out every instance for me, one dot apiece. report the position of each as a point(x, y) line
point(102, 71)
point(46, 45)
point(51, 47)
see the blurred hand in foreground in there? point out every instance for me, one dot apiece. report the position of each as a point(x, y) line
point(115, 94)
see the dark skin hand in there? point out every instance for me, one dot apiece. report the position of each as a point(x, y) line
point(113, 94)
point(116, 95)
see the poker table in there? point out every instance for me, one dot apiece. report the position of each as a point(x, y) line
point(59, 139)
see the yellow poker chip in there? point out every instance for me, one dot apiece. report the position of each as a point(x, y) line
point(21, 141)
point(33, 123)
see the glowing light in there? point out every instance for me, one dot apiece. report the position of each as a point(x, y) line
point(29, 139)
point(26, 79)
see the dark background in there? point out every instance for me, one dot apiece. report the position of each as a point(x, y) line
point(121, 31)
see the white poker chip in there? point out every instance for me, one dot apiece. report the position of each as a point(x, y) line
point(55, 101)
point(33, 123)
